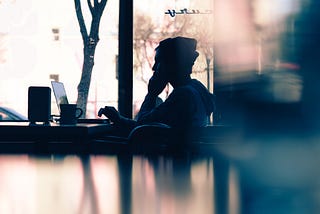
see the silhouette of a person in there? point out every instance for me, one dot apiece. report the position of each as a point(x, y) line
point(188, 105)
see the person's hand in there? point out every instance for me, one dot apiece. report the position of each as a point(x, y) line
point(157, 83)
point(111, 113)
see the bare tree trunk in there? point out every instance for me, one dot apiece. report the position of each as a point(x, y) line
point(84, 85)
point(90, 42)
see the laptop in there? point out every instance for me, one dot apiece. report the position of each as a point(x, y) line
point(60, 94)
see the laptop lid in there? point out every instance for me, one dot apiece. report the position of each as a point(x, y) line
point(59, 93)
point(61, 98)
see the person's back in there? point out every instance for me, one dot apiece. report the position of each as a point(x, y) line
point(204, 104)
point(189, 105)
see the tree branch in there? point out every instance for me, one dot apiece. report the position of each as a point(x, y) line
point(102, 5)
point(96, 17)
point(82, 25)
point(90, 7)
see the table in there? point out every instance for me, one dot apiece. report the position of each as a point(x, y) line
point(256, 174)
point(250, 178)
point(21, 137)
point(24, 137)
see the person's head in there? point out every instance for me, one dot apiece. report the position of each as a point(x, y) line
point(175, 57)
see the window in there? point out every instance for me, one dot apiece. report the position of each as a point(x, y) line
point(41, 41)
point(156, 20)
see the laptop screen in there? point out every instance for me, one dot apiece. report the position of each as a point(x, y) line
point(59, 93)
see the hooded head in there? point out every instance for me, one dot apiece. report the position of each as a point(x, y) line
point(177, 56)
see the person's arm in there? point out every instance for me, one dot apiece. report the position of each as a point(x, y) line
point(156, 84)
point(115, 117)
point(147, 106)
point(175, 111)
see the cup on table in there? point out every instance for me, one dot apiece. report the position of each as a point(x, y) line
point(69, 114)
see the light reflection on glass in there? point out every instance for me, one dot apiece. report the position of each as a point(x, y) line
point(17, 179)
point(93, 184)
point(105, 180)
point(57, 184)
point(234, 194)
point(172, 185)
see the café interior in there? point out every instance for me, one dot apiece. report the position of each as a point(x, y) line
point(259, 153)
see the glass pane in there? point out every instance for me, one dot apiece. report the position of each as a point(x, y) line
point(244, 46)
point(41, 41)
point(156, 20)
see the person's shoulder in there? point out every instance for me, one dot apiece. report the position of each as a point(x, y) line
point(191, 87)
point(183, 94)
point(182, 90)
point(197, 84)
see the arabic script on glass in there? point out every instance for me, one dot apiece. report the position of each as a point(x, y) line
point(173, 13)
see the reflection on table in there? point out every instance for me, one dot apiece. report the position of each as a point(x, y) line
point(93, 184)
point(281, 176)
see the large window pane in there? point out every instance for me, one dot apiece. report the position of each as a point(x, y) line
point(156, 20)
point(40, 41)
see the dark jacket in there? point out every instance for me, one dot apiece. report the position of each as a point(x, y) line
point(187, 106)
